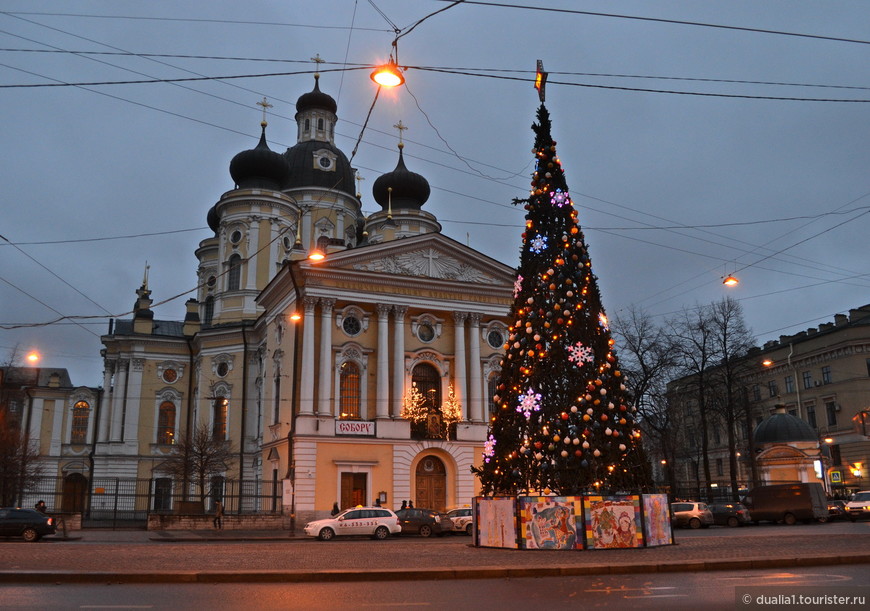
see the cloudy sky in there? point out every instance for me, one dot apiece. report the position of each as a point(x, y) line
point(691, 151)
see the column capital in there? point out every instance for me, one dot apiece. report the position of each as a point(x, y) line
point(459, 317)
point(308, 303)
point(326, 305)
point(474, 319)
point(400, 311)
point(383, 309)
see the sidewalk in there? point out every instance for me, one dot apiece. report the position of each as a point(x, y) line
point(269, 556)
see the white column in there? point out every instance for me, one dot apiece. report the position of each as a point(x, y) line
point(253, 246)
point(475, 384)
point(398, 358)
point(306, 377)
point(134, 384)
point(459, 362)
point(118, 395)
point(382, 402)
point(324, 394)
point(105, 402)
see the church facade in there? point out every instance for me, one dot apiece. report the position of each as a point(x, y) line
point(363, 377)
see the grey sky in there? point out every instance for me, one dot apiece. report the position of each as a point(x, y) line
point(105, 161)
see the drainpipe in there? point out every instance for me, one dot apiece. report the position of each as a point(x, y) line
point(244, 417)
point(189, 416)
point(797, 382)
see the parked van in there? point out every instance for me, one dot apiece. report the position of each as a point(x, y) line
point(787, 503)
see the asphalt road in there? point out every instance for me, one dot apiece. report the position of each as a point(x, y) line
point(709, 591)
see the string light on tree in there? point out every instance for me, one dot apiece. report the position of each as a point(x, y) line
point(563, 421)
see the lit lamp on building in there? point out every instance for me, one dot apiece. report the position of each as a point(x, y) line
point(730, 280)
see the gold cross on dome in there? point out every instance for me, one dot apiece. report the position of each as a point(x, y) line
point(399, 126)
point(359, 179)
point(317, 61)
point(265, 105)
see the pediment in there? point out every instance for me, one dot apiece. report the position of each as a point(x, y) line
point(430, 256)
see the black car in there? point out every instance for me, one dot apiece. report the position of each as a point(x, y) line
point(27, 523)
point(728, 513)
point(424, 522)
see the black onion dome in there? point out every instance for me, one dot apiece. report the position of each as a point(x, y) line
point(306, 171)
point(259, 167)
point(212, 219)
point(410, 190)
point(316, 99)
point(782, 428)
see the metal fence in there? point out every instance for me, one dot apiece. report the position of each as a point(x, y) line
point(115, 502)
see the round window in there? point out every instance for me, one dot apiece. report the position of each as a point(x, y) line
point(236, 236)
point(325, 162)
point(351, 325)
point(223, 369)
point(170, 375)
point(495, 339)
point(425, 332)
point(211, 281)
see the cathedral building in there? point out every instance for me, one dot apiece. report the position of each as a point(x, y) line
point(344, 358)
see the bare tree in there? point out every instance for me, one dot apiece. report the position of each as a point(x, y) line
point(647, 361)
point(694, 347)
point(20, 468)
point(197, 458)
point(731, 341)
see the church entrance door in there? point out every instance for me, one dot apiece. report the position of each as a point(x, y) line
point(431, 480)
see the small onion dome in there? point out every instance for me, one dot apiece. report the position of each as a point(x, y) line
point(783, 428)
point(316, 99)
point(410, 190)
point(260, 167)
point(212, 219)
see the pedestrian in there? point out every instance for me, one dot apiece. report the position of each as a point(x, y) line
point(410, 504)
point(218, 514)
point(404, 505)
point(378, 502)
point(40, 506)
point(335, 510)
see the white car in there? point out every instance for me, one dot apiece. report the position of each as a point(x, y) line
point(859, 505)
point(376, 522)
point(463, 519)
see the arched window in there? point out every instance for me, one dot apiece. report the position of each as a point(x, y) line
point(166, 423)
point(320, 124)
point(428, 382)
point(209, 310)
point(81, 413)
point(219, 419)
point(234, 276)
point(307, 125)
point(349, 387)
point(492, 390)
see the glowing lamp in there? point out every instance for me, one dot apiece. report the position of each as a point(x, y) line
point(730, 281)
point(295, 316)
point(316, 255)
point(33, 357)
point(388, 75)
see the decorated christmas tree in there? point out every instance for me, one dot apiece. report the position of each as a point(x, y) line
point(563, 423)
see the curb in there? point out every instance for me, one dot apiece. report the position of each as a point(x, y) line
point(433, 574)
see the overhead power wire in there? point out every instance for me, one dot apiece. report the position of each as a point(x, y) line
point(663, 20)
point(233, 22)
point(467, 69)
